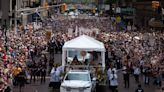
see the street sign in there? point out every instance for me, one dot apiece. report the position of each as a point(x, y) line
point(127, 10)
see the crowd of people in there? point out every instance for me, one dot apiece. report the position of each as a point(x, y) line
point(136, 54)
point(136, 45)
point(62, 23)
point(19, 49)
point(139, 52)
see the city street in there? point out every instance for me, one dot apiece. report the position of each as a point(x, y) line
point(116, 44)
point(37, 87)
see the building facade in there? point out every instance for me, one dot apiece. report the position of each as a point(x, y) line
point(145, 11)
point(8, 7)
point(4, 11)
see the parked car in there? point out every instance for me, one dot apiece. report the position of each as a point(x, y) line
point(78, 81)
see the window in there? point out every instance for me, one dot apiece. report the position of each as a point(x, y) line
point(77, 76)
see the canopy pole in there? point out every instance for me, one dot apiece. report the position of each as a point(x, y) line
point(103, 59)
point(63, 57)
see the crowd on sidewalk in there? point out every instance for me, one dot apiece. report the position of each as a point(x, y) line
point(18, 51)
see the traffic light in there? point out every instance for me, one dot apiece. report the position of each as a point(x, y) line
point(36, 3)
point(155, 4)
point(94, 10)
point(46, 5)
point(63, 8)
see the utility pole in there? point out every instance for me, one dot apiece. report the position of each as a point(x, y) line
point(10, 13)
point(15, 19)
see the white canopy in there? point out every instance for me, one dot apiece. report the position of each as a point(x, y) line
point(84, 43)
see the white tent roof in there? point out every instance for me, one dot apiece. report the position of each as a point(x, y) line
point(84, 43)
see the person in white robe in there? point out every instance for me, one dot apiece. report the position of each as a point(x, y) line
point(113, 81)
point(55, 79)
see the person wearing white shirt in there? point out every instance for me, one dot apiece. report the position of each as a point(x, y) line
point(114, 69)
point(136, 74)
point(109, 73)
point(129, 27)
point(113, 81)
point(142, 62)
point(55, 77)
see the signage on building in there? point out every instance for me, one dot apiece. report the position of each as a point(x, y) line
point(127, 10)
point(128, 17)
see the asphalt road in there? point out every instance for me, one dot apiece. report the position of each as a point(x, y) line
point(38, 87)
